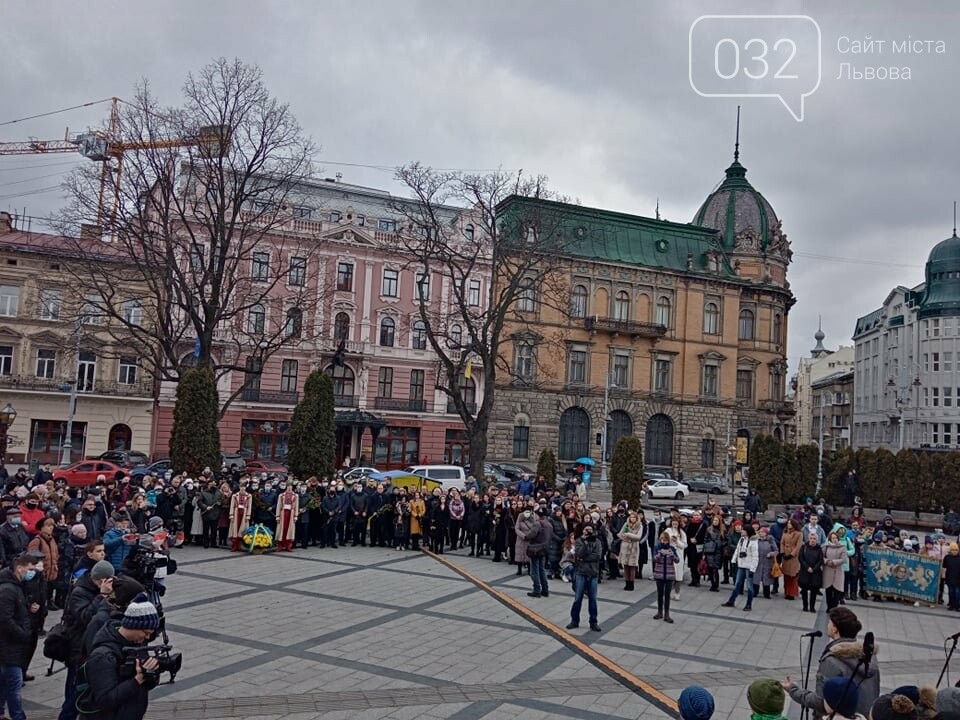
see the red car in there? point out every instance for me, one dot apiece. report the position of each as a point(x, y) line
point(85, 472)
point(266, 466)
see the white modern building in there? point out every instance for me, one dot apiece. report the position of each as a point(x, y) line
point(821, 364)
point(906, 382)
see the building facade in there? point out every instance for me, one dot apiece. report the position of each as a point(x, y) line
point(47, 343)
point(906, 383)
point(831, 414)
point(675, 333)
point(363, 330)
point(821, 363)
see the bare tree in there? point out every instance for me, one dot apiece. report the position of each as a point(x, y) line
point(200, 204)
point(466, 227)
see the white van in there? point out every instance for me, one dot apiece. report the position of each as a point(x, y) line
point(452, 476)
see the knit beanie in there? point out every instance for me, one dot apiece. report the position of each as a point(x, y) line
point(841, 695)
point(911, 692)
point(893, 707)
point(102, 570)
point(78, 528)
point(948, 700)
point(155, 523)
point(766, 696)
point(695, 703)
point(141, 614)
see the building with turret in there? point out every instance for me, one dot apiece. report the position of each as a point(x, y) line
point(675, 333)
point(821, 364)
point(906, 380)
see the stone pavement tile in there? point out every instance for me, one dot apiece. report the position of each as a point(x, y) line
point(190, 589)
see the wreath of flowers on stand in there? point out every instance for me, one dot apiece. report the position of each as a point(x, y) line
point(257, 539)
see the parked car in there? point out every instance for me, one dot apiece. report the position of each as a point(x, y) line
point(228, 459)
point(159, 467)
point(514, 470)
point(667, 489)
point(266, 466)
point(85, 472)
point(125, 458)
point(654, 475)
point(354, 474)
point(707, 483)
point(451, 476)
point(492, 470)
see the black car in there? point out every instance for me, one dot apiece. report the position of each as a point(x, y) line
point(125, 458)
point(515, 471)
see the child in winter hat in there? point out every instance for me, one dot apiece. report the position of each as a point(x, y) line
point(893, 707)
point(766, 698)
point(695, 703)
point(841, 696)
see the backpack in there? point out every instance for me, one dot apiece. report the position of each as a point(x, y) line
point(84, 693)
point(56, 645)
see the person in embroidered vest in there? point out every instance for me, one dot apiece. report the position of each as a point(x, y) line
point(241, 505)
point(288, 505)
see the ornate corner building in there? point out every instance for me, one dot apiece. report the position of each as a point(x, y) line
point(676, 332)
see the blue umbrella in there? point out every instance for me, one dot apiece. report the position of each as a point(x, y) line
point(585, 461)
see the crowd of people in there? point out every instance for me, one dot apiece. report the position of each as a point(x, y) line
point(82, 551)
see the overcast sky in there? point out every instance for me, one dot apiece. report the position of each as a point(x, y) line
point(593, 94)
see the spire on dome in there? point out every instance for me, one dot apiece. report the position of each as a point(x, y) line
point(819, 350)
point(736, 144)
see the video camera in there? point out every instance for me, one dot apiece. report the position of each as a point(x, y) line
point(169, 662)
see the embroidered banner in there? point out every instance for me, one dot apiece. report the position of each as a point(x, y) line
point(901, 574)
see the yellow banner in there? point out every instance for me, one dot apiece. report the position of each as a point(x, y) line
point(742, 445)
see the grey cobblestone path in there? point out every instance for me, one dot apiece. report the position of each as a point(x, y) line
point(365, 633)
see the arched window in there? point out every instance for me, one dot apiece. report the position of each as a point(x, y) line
point(619, 425)
point(777, 329)
point(343, 383)
point(578, 301)
point(621, 306)
point(294, 324)
point(419, 334)
point(658, 448)
point(341, 327)
point(746, 325)
point(256, 318)
point(574, 434)
point(388, 329)
point(468, 233)
point(120, 438)
point(663, 311)
point(456, 336)
point(711, 319)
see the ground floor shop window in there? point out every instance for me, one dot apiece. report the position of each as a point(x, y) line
point(264, 439)
point(397, 447)
point(456, 448)
point(47, 437)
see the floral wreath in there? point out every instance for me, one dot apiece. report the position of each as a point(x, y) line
point(257, 537)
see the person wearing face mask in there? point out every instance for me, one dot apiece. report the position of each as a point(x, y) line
point(587, 554)
point(93, 516)
point(358, 516)
point(331, 511)
point(210, 502)
point(241, 505)
point(344, 499)
point(288, 509)
point(31, 513)
point(304, 498)
point(13, 537)
point(15, 629)
point(527, 527)
point(117, 695)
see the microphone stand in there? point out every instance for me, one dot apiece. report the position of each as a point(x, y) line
point(846, 688)
point(804, 711)
point(946, 663)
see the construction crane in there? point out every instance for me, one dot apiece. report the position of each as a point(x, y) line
point(105, 147)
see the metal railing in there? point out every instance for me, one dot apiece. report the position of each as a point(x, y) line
point(452, 408)
point(346, 401)
point(274, 398)
point(141, 388)
point(400, 405)
point(624, 327)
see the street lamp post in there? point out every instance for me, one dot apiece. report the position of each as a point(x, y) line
point(7, 416)
point(820, 448)
point(607, 386)
point(901, 397)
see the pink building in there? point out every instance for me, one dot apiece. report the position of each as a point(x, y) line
point(390, 412)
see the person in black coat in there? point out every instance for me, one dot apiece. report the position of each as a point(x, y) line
point(331, 509)
point(555, 548)
point(811, 572)
point(114, 690)
point(15, 628)
point(696, 534)
point(13, 538)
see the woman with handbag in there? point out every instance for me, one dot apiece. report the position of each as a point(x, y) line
point(767, 550)
point(789, 548)
point(632, 536)
point(714, 542)
point(747, 560)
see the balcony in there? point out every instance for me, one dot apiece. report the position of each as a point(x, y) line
point(399, 405)
point(345, 401)
point(624, 327)
point(331, 345)
point(780, 407)
point(271, 398)
point(452, 409)
point(30, 383)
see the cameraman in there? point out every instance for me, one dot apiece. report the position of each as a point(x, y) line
point(117, 689)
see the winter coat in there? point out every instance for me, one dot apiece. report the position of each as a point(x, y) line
point(116, 547)
point(587, 554)
point(539, 543)
point(116, 696)
point(765, 546)
point(751, 559)
point(789, 548)
point(210, 502)
point(29, 517)
point(753, 503)
point(821, 535)
point(713, 542)
point(696, 532)
point(474, 516)
point(834, 558)
point(849, 548)
point(51, 555)
point(811, 567)
point(95, 522)
point(951, 570)
point(559, 534)
point(527, 528)
point(14, 540)
point(839, 659)
point(631, 538)
point(15, 620)
point(418, 508)
point(665, 561)
point(82, 603)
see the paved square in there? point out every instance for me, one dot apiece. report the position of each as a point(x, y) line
point(369, 633)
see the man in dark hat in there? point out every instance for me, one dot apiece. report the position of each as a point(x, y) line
point(13, 537)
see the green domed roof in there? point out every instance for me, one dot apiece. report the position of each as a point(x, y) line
point(941, 294)
point(736, 206)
